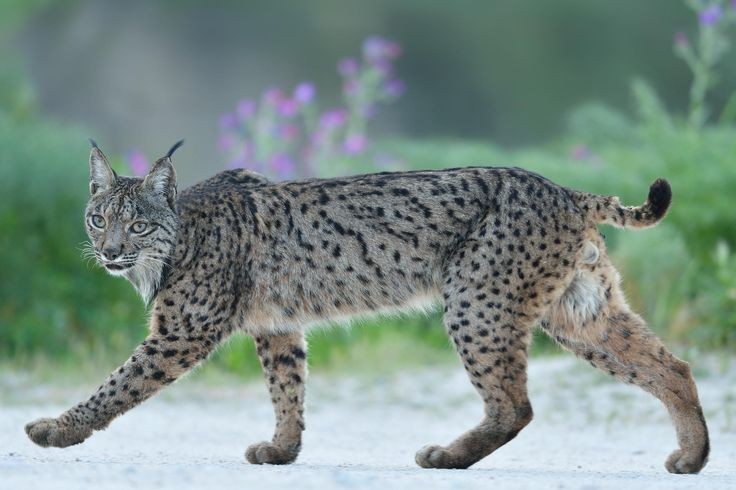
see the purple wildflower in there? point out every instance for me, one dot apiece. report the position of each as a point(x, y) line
point(355, 144)
point(245, 109)
point(288, 107)
point(711, 15)
point(383, 66)
point(350, 87)
point(237, 162)
point(287, 139)
point(289, 132)
point(681, 39)
point(282, 165)
point(333, 118)
point(226, 141)
point(374, 47)
point(242, 157)
point(347, 67)
point(392, 50)
point(228, 121)
point(273, 96)
point(137, 163)
point(580, 152)
point(395, 87)
point(304, 93)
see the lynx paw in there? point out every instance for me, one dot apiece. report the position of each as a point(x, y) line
point(437, 457)
point(684, 462)
point(268, 453)
point(49, 432)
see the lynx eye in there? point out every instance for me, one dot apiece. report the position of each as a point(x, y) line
point(138, 227)
point(98, 221)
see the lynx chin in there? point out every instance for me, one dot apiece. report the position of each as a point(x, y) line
point(503, 249)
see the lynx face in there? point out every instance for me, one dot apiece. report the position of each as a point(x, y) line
point(132, 222)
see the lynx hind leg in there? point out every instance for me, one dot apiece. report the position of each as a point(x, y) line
point(495, 358)
point(593, 320)
point(283, 358)
point(489, 313)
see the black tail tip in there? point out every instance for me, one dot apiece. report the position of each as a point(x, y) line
point(176, 146)
point(94, 144)
point(660, 197)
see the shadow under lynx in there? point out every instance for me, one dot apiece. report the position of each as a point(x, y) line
point(503, 249)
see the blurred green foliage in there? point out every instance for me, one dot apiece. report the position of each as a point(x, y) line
point(54, 305)
point(681, 275)
point(503, 70)
point(51, 302)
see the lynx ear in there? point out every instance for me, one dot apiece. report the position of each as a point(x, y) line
point(161, 181)
point(101, 175)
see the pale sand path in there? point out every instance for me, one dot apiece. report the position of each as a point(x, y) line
point(362, 432)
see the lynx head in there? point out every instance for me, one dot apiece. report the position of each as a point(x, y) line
point(132, 223)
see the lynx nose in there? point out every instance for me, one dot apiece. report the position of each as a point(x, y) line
point(111, 253)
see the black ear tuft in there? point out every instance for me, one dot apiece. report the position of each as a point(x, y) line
point(94, 144)
point(174, 148)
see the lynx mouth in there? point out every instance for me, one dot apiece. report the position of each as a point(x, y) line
point(117, 267)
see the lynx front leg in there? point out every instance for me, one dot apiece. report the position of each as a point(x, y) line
point(283, 358)
point(170, 351)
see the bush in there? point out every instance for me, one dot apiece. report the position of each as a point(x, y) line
point(56, 307)
point(680, 275)
point(51, 302)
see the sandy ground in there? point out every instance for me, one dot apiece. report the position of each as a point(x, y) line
point(362, 432)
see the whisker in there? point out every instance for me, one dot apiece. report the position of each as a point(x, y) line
point(163, 259)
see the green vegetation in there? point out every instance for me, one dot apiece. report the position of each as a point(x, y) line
point(681, 275)
point(56, 311)
point(51, 301)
